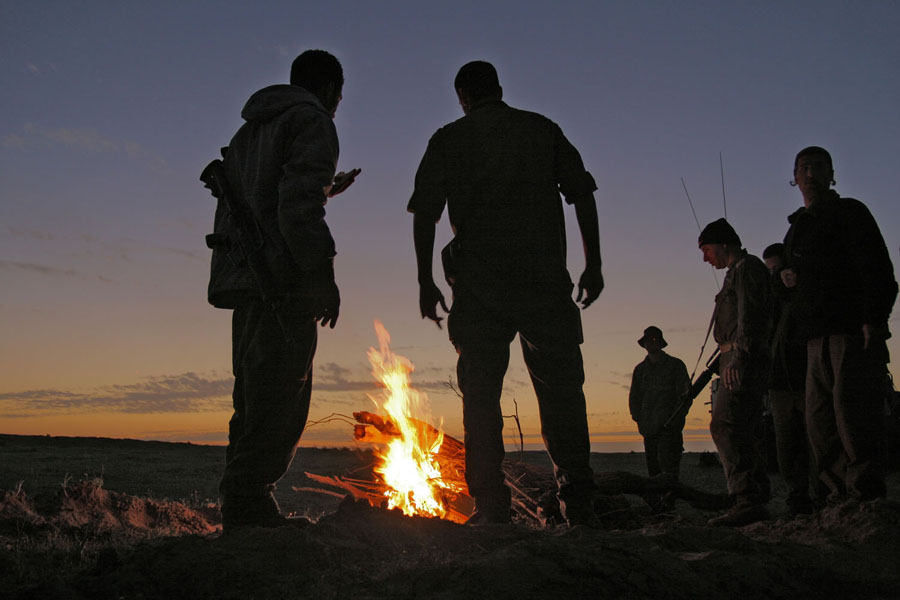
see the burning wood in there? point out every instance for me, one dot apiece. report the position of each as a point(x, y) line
point(421, 470)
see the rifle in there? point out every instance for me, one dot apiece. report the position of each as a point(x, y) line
point(246, 242)
point(684, 403)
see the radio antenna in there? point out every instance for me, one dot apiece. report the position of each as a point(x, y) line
point(722, 172)
point(700, 229)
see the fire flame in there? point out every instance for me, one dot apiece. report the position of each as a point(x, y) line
point(408, 466)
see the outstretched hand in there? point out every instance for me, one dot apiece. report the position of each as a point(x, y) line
point(590, 284)
point(342, 181)
point(429, 298)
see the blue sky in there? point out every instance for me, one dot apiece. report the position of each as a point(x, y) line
point(109, 110)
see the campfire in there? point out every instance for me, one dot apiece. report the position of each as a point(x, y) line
point(408, 465)
point(419, 469)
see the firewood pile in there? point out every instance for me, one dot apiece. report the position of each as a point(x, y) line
point(532, 488)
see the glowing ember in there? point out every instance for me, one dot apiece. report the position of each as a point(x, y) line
point(409, 465)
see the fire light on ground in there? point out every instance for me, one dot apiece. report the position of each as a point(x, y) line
point(408, 464)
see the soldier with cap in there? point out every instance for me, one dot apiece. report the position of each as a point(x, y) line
point(657, 386)
point(741, 324)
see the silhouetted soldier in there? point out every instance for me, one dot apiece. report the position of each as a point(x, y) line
point(741, 328)
point(658, 385)
point(787, 379)
point(280, 168)
point(838, 263)
point(500, 171)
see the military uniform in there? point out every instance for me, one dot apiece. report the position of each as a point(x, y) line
point(277, 163)
point(743, 308)
point(657, 388)
point(500, 171)
point(845, 279)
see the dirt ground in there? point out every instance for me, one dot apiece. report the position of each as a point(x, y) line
point(81, 539)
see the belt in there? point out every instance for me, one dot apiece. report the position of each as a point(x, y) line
point(727, 347)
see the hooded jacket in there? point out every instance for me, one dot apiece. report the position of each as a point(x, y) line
point(278, 163)
point(845, 277)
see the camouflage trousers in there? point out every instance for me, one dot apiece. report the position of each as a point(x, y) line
point(736, 429)
point(845, 416)
point(272, 387)
point(663, 452)
point(550, 338)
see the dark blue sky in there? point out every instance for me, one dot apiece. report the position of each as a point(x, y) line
point(109, 110)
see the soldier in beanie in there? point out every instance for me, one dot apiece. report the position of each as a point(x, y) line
point(741, 329)
point(657, 386)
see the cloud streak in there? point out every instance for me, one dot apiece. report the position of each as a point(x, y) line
point(33, 136)
point(187, 392)
point(50, 271)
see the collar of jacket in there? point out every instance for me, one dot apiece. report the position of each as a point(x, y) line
point(818, 207)
point(485, 103)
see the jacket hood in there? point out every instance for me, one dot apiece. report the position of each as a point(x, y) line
point(274, 100)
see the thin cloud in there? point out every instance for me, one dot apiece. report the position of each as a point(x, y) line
point(30, 233)
point(50, 271)
point(35, 136)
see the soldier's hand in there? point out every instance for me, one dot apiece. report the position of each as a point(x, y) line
point(429, 298)
point(874, 333)
point(590, 284)
point(329, 305)
point(342, 181)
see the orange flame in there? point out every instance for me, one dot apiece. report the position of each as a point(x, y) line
point(409, 466)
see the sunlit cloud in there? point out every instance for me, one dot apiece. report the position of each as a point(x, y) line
point(331, 377)
point(187, 392)
point(32, 68)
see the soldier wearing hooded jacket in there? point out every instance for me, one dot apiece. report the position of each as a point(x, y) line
point(281, 165)
point(843, 280)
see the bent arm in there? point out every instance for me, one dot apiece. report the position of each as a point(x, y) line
point(423, 238)
point(429, 293)
point(588, 224)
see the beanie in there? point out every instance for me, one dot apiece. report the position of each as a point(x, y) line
point(719, 232)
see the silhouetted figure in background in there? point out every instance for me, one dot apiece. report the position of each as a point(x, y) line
point(658, 385)
point(500, 171)
point(839, 266)
point(741, 328)
point(787, 379)
point(281, 166)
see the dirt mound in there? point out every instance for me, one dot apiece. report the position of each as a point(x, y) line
point(88, 508)
point(364, 552)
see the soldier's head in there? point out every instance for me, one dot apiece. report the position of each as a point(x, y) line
point(320, 73)
point(652, 341)
point(813, 172)
point(719, 243)
point(773, 256)
point(475, 83)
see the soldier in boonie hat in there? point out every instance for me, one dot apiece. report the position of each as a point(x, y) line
point(652, 333)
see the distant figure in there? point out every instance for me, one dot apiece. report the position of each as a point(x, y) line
point(839, 266)
point(741, 328)
point(658, 385)
point(280, 167)
point(500, 171)
point(787, 380)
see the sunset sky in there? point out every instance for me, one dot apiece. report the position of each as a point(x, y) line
point(109, 111)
